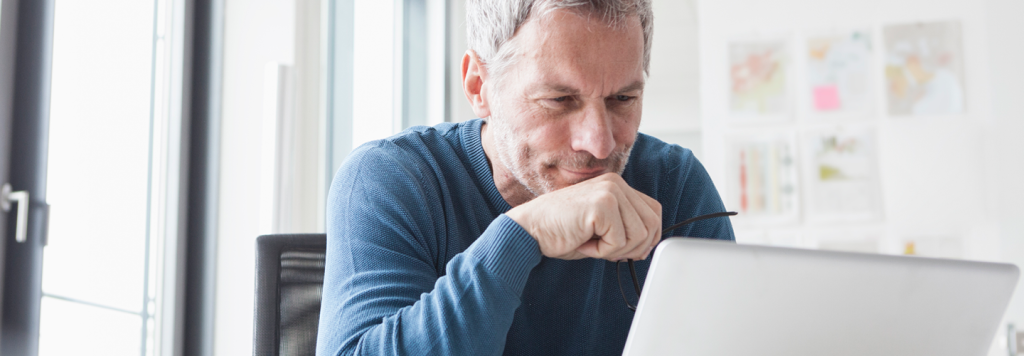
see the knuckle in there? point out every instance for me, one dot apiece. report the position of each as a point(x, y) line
point(653, 225)
point(642, 233)
point(606, 185)
point(620, 241)
point(604, 198)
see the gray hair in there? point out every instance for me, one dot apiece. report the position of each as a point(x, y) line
point(491, 24)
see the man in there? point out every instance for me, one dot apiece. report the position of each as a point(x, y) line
point(499, 236)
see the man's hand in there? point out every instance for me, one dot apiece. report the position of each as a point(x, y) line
point(602, 217)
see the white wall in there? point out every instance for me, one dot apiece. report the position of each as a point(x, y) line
point(376, 100)
point(671, 100)
point(1004, 148)
point(458, 106)
point(255, 32)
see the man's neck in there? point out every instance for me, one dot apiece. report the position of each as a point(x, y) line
point(511, 190)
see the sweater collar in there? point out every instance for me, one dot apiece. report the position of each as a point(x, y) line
point(474, 148)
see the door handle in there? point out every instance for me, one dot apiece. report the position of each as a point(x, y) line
point(20, 197)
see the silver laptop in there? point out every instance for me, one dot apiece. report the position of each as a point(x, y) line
point(705, 297)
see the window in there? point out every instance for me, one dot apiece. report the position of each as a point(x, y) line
point(400, 49)
point(112, 172)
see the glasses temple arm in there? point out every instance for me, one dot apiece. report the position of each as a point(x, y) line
point(632, 266)
point(698, 218)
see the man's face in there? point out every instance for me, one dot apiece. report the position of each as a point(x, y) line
point(568, 109)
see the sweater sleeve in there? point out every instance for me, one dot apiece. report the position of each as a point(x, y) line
point(383, 293)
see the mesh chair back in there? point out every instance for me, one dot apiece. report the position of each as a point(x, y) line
point(289, 285)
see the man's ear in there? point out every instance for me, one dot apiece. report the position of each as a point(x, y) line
point(474, 73)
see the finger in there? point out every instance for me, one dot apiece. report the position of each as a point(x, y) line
point(641, 217)
point(650, 216)
point(639, 244)
point(654, 244)
point(646, 252)
point(589, 249)
point(654, 220)
point(656, 207)
point(607, 224)
point(653, 203)
point(635, 225)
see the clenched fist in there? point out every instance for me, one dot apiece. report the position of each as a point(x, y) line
point(602, 217)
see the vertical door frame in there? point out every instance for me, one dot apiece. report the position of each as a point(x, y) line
point(30, 130)
point(205, 36)
point(8, 40)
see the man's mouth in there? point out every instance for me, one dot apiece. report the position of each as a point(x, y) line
point(585, 173)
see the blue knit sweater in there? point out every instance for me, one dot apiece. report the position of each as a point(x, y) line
point(422, 260)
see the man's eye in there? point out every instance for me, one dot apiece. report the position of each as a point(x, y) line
point(560, 99)
point(623, 97)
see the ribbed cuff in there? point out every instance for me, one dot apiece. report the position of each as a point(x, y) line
point(507, 250)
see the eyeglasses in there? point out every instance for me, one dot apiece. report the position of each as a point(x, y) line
point(632, 266)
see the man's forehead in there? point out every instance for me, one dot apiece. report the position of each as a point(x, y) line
point(569, 52)
point(569, 89)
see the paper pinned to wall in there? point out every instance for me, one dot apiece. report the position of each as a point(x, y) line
point(758, 78)
point(838, 74)
point(924, 69)
point(842, 175)
point(763, 178)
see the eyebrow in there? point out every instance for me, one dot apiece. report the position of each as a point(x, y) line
point(565, 89)
point(637, 85)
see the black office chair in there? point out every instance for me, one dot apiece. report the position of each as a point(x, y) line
point(289, 286)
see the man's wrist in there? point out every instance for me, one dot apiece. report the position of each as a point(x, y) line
point(521, 217)
point(508, 251)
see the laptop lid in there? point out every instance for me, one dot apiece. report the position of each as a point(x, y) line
point(704, 297)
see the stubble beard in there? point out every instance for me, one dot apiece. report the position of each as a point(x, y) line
point(517, 157)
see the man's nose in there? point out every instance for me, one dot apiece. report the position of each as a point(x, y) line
point(593, 132)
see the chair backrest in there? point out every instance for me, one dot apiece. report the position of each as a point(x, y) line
point(289, 286)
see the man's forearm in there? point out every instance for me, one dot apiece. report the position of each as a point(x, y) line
point(468, 311)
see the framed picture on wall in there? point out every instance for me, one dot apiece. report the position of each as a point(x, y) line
point(838, 75)
point(759, 80)
point(841, 174)
point(762, 181)
point(924, 69)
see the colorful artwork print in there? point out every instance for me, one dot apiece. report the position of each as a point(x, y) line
point(757, 74)
point(763, 177)
point(843, 176)
point(839, 72)
point(924, 69)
